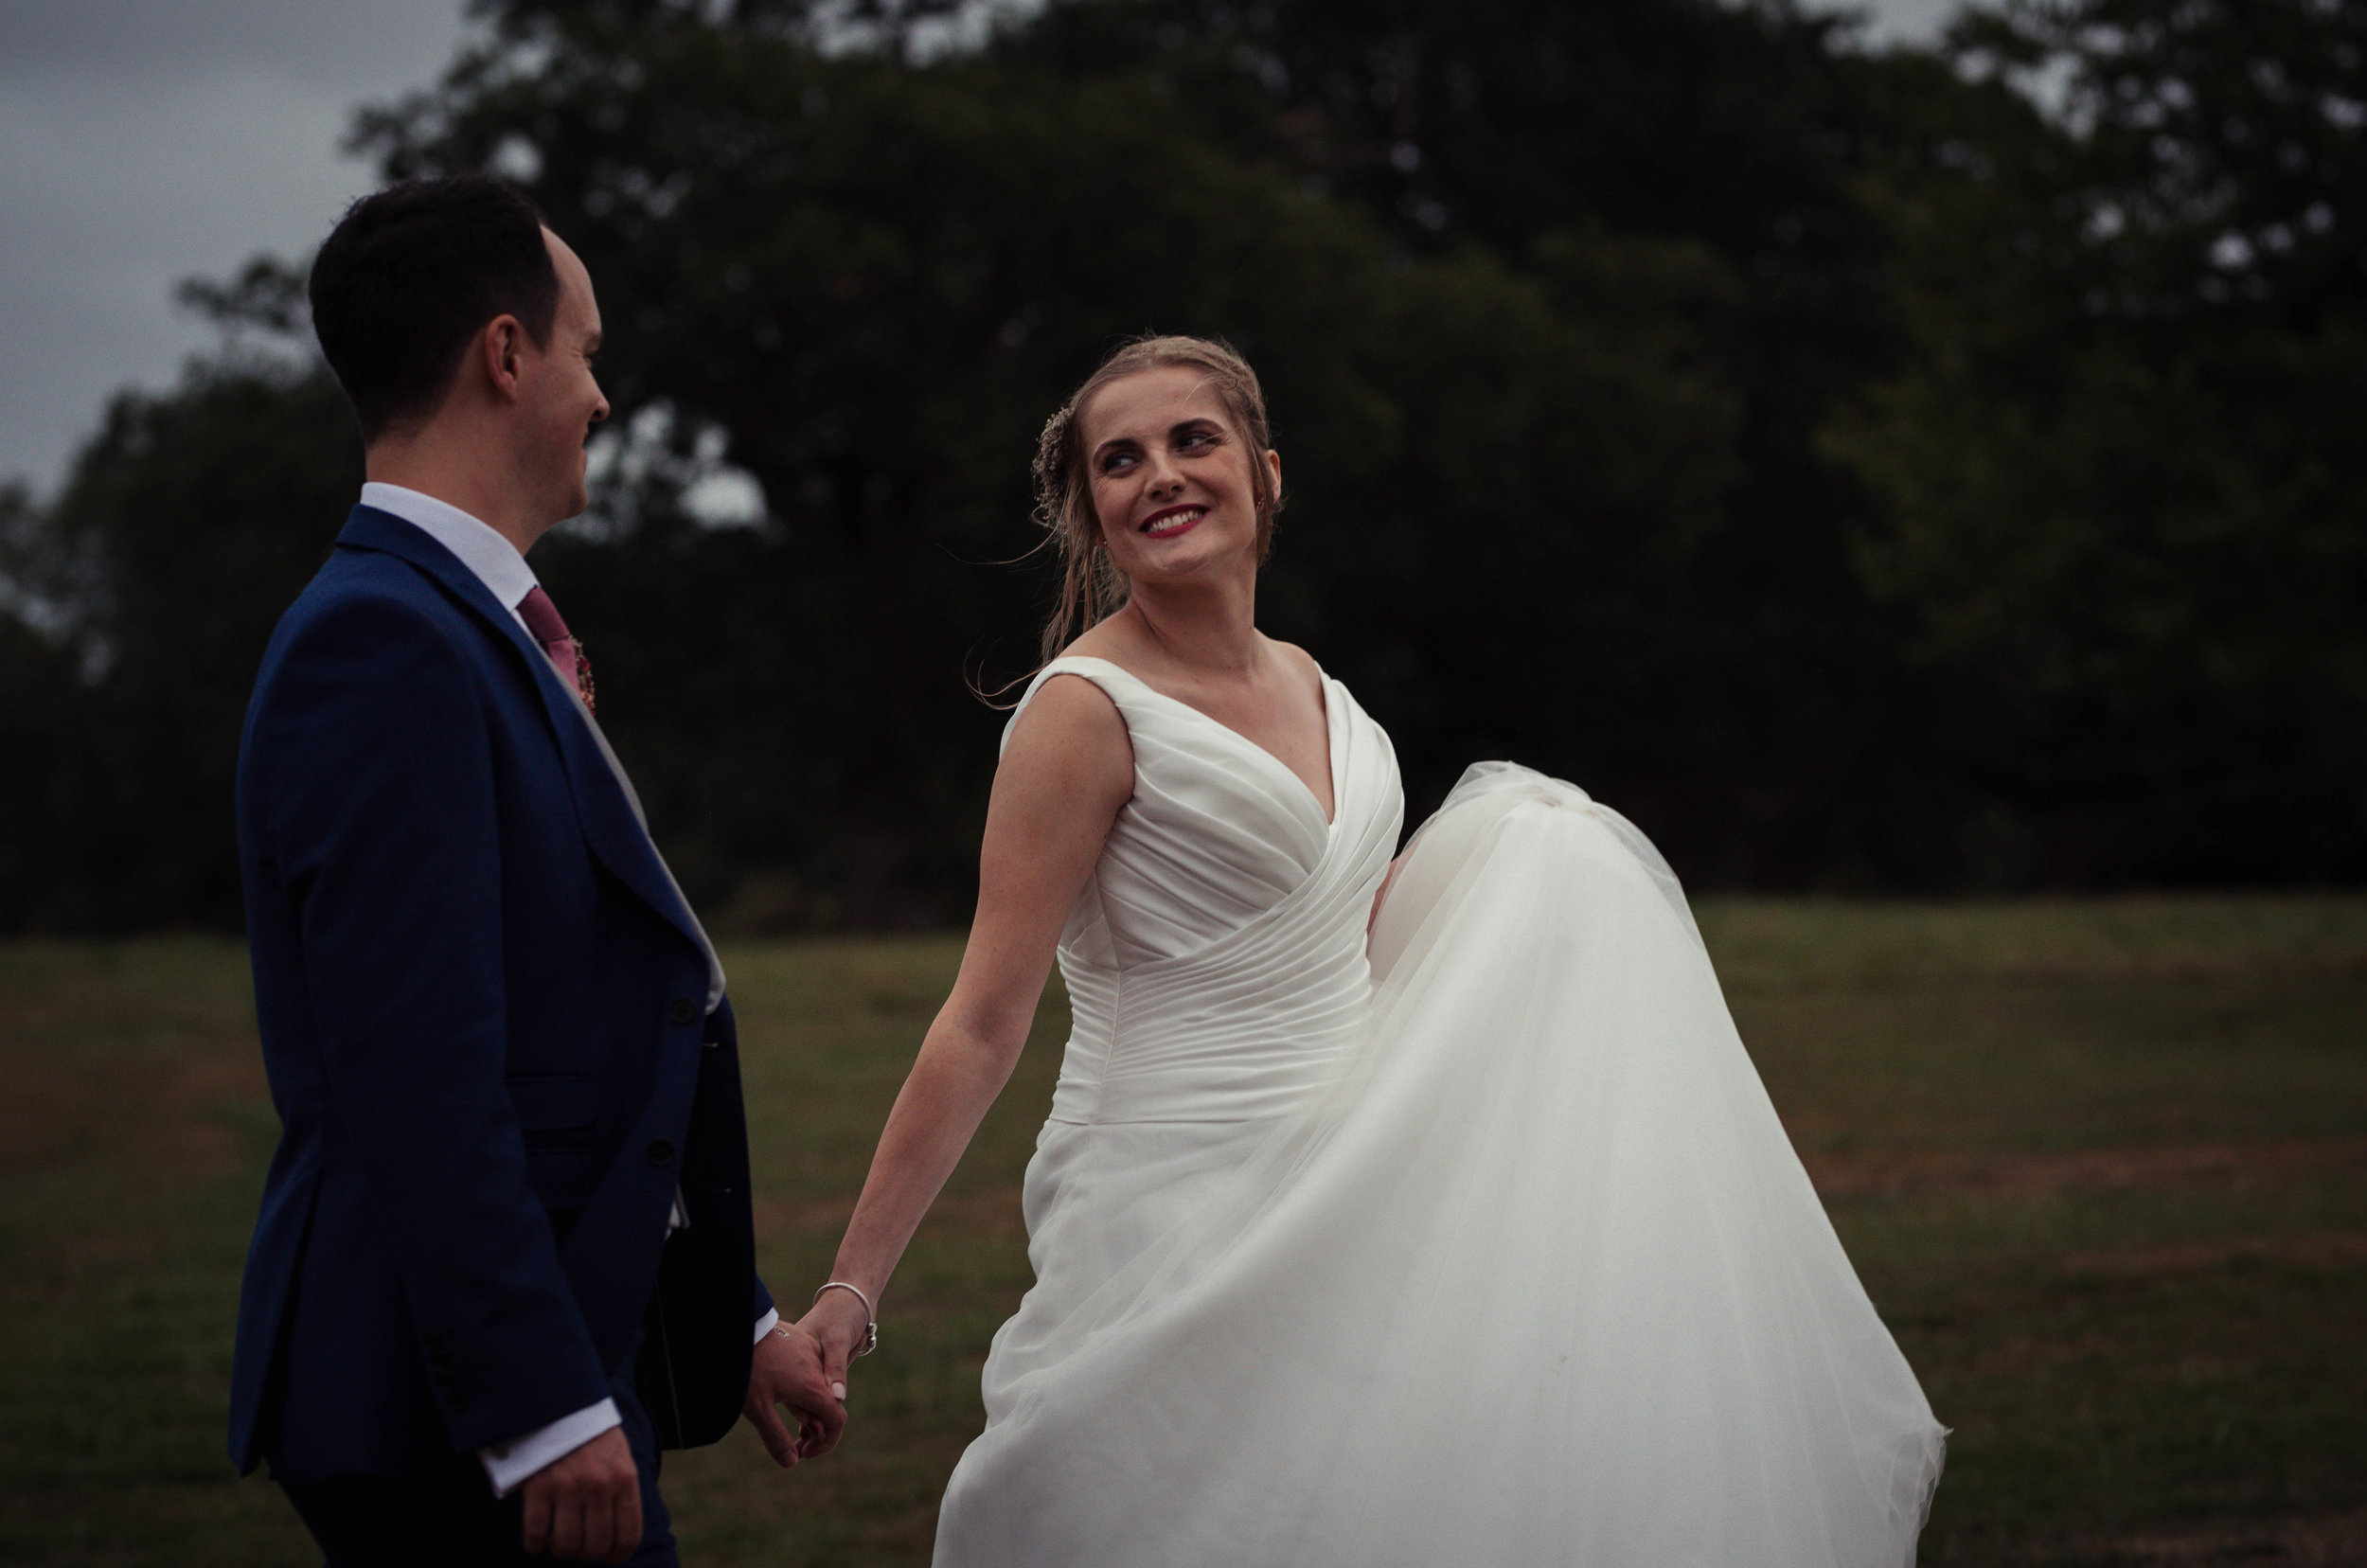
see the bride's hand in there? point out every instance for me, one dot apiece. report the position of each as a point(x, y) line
point(838, 1324)
point(787, 1369)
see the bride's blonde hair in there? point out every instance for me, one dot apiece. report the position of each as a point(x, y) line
point(1090, 588)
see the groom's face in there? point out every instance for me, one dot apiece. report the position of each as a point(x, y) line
point(559, 397)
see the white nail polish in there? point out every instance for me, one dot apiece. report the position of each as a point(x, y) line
point(838, 1391)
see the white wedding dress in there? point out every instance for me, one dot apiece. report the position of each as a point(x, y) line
point(1478, 1245)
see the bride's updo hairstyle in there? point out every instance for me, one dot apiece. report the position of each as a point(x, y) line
point(1090, 588)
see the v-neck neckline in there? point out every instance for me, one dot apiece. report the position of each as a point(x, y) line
point(1331, 733)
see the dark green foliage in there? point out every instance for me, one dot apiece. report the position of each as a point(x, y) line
point(37, 688)
point(190, 521)
point(2124, 498)
point(1554, 486)
point(1857, 476)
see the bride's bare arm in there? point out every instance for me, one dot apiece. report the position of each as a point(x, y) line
point(1067, 771)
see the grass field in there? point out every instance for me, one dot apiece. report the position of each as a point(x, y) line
point(2100, 1165)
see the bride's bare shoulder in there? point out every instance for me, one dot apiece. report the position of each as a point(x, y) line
point(1065, 700)
point(1106, 640)
point(1071, 729)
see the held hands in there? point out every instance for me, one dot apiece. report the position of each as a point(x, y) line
point(787, 1371)
point(838, 1324)
point(586, 1504)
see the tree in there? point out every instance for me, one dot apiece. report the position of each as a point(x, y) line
point(2123, 504)
point(1858, 475)
point(187, 524)
point(877, 278)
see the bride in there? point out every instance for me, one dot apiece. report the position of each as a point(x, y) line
point(1410, 1216)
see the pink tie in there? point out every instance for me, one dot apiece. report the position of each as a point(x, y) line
point(566, 654)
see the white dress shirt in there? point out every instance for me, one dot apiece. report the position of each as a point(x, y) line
point(509, 580)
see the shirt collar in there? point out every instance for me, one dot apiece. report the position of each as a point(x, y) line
point(493, 559)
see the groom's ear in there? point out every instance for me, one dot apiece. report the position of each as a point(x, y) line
point(500, 347)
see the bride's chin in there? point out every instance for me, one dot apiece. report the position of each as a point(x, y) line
point(1186, 557)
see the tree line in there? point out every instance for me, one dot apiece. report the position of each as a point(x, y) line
point(1926, 469)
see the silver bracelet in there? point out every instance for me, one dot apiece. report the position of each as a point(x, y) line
point(871, 1329)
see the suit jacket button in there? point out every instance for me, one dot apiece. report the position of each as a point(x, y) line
point(661, 1152)
point(685, 1012)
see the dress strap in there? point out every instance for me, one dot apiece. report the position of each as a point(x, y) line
point(1116, 684)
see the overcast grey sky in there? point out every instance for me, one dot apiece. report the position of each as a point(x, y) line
point(145, 141)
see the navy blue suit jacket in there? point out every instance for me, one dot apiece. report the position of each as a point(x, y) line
point(483, 1009)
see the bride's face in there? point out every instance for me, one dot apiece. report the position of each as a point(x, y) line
point(1171, 476)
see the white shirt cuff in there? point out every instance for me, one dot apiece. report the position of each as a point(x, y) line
point(509, 1464)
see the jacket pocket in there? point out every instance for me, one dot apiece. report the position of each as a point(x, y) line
point(559, 1113)
point(552, 1103)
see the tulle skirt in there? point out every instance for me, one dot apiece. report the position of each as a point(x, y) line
point(1538, 1279)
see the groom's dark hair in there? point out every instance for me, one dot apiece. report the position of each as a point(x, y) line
point(409, 276)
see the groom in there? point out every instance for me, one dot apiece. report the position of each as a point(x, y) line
point(505, 1254)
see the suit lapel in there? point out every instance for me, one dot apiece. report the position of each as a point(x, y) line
point(605, 805)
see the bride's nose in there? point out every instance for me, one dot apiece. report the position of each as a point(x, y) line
point(1163, 481)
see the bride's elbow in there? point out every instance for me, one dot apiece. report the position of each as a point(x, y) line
point(981, 1049)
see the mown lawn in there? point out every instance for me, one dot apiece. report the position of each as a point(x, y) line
point(2099, 1163)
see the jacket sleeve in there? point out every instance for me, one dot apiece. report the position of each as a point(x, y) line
point(378, 806)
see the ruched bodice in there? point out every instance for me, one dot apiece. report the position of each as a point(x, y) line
point(1215, 960)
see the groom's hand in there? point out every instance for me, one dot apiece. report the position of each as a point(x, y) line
point(787, 1370)
point(586, 1506)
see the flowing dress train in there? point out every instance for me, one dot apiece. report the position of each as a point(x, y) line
point(1474, 1242)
